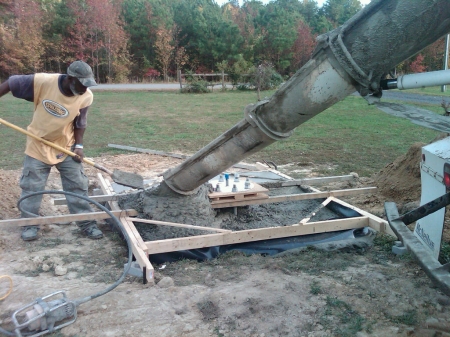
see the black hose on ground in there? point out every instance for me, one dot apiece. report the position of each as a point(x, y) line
point(119, 225)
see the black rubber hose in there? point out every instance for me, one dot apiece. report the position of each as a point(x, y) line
point(119, 224)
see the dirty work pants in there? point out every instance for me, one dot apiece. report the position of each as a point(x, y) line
point(34, 178)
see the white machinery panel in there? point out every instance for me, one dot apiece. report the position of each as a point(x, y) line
point(429, 229)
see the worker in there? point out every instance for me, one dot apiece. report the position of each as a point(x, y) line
point(61, 103)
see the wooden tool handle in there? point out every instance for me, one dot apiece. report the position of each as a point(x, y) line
point(62, 149)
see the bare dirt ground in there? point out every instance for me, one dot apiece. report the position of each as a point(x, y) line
point(365, 291)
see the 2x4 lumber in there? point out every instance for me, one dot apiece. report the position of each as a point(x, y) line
point(160, 153)
point(265, 167)
point(317, 181)
point(209, 240)
point(322, 205)
point(47, 220)
point(375, 222)
point(138, 246)
point(141, 255)
point(173, 224)
point(131, 230)
point(295, 197)
point(168, 154)
point(98, 198)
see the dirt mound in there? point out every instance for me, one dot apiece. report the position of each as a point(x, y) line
point(400, 180)
point(10, 191)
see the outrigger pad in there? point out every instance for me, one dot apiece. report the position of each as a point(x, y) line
point(437, 272)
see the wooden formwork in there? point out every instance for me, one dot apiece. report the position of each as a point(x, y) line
point(220, 237)
point(142, 249)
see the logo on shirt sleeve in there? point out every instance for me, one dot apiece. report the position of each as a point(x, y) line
point(55, 109)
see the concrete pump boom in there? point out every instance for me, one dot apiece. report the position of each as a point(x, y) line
point(355, 56)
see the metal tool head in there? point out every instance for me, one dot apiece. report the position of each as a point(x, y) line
point(128, 179)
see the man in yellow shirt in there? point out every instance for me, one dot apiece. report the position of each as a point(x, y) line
point(61, 103)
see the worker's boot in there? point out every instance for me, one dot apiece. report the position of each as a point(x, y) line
point(92, 232)
point(30, 233)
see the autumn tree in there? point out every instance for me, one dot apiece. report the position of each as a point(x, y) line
point(417, 65)
point(181, 58)
point(164, 49)
point(434, 55)
point(108, 37)
point(303, 46)
point(97, 36)
point(26, 32)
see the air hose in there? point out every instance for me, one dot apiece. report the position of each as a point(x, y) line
point(10, 286)
point(117, 222)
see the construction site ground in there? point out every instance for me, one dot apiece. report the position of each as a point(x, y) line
point(357, 291)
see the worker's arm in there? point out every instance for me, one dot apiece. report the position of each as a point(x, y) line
point(21, 86)
point(4, 88)
point(79, 126)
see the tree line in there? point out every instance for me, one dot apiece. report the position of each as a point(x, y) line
point(141, 40)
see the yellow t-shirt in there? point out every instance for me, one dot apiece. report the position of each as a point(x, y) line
point(53, 118)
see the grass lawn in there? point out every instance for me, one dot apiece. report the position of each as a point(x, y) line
point(350, 136)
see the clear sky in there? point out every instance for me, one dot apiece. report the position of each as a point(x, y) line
point(319, 2)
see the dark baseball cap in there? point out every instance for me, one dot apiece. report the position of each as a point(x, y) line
point(83, 72)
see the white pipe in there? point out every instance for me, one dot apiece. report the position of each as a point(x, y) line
point(429, 79)
point(443, 88)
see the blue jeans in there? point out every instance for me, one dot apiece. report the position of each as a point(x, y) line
point(34, 178)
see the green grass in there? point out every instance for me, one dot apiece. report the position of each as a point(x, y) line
point(341, 318)
point(350, 135)
point(435, 91)
point(407, 318)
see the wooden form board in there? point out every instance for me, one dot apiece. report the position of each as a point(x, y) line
point(137, 244)
point(264, 167)
point(209, 240)
point(314, 212)
point(173, 224)
point(98, 198)
point(375, 222)
point(317, 181)
point(141, 249)
point(47, 220)
point(294, 197)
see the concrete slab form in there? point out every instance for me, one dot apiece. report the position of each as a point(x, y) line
point(142, 249)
